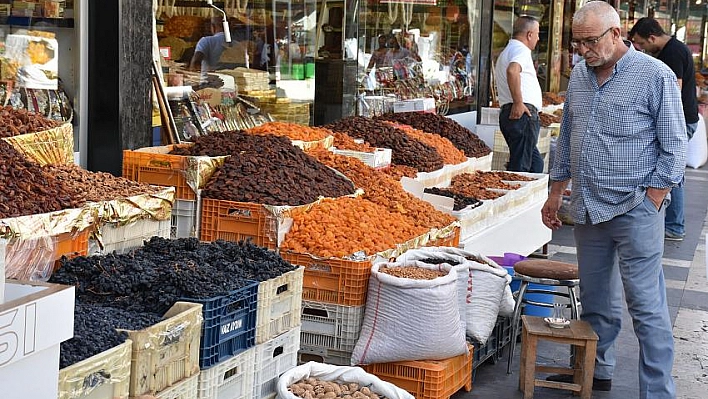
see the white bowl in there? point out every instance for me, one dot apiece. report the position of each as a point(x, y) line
point(556, 323)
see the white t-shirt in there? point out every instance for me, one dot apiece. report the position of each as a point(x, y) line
point(517, 52)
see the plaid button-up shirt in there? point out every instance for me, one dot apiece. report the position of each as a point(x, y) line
point(620, 138)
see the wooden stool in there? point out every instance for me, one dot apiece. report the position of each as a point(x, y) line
point(579, 334)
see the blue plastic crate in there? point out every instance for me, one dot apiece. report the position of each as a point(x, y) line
point(229, 325)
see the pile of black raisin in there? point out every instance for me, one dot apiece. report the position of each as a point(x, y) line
point(95, 331)
point(152, 278)
point(439, 261)
point(461, 201)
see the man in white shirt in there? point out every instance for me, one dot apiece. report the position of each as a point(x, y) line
point(209, 49)
point(520, 97)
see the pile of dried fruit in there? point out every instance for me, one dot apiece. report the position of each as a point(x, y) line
point(406, 150)
point(14, 122)
point(461, 137)
point(399, 171)
point(416, 273)
point(96, 186)
point(469, 188)
point(292, 131)
point(152, 278)
point(267, 170)
point(344, 226)
point(95, 331)
point(343, 141)
point(450, 154)
point(483, 179)
point(508, 176)
point(313, 388)
point(385, 191)
point(548, 119)
point(26, 189)
point(552, 99)
point(461, 201)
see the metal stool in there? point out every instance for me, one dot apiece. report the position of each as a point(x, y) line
point(543, 272)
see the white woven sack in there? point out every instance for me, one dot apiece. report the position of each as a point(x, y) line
point(341, 374)
point(408, 319)
point(462, 269)
point(488, 282)
point(506, 306)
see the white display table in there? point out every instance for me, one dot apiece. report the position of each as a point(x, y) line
point(522, 233)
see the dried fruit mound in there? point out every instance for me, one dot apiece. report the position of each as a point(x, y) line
point(406, 150)
point(152, 278)
point(508, 176)
point(470, 188)
point(343, 141)
point(483, 179)
point(291, 130)
point(95, 331)
point(97, 186)
point(399, 171)
point(25, 189)
point(461, 137)
point(266, 170)
point(450, 154)
point(14, 122)
point(461, 201)
point(385, 191)
point(341, 227)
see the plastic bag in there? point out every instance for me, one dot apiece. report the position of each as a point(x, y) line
point(408, 319)
point(340, 374)
point(697, 154)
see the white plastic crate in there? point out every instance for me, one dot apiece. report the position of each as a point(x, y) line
point(279, 305)
point(489, 116)
point(185, 389)
point(322, 355)
point(123, 238)
point(184, 219)
point(230, 379)
point(331, 326)
point(273, 358)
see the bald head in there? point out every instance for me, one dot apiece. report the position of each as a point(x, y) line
point(522, 25)
point(598, 11)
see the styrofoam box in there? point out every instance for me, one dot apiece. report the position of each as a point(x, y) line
point(331, 326)
point(279, 305)
point(380, 158)
point(123, 238)
point(36, 317)
point(184, 219)
point(273, 358)
point(185, 389)
point(230, 379)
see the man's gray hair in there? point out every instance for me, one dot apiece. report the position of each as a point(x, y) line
point(522, 25)
point(604, 11)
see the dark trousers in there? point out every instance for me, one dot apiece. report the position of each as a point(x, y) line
point(521, 137)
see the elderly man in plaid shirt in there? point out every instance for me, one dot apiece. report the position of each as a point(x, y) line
point(623, 144)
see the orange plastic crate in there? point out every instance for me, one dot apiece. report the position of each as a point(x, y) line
point(430, 379)
point(234, 221)
point(158, 169)
point(337, 281)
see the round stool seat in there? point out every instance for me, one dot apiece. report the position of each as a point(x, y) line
point(550, 269)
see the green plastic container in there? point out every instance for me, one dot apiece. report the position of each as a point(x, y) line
point(298, 71)
point(309, 70)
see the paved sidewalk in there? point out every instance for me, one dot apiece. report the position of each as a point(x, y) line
point(687, 290)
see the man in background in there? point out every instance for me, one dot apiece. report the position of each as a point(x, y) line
point(648, 35)
point(520, 97)
point(209, 49)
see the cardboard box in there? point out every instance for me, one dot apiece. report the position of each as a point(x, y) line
point(35, 319)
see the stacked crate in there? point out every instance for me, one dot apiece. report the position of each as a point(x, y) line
point(334, 299)
point(234, 368)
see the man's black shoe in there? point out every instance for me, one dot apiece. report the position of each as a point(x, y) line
point(597, 383)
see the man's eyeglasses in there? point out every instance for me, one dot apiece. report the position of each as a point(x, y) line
point(589, 43)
